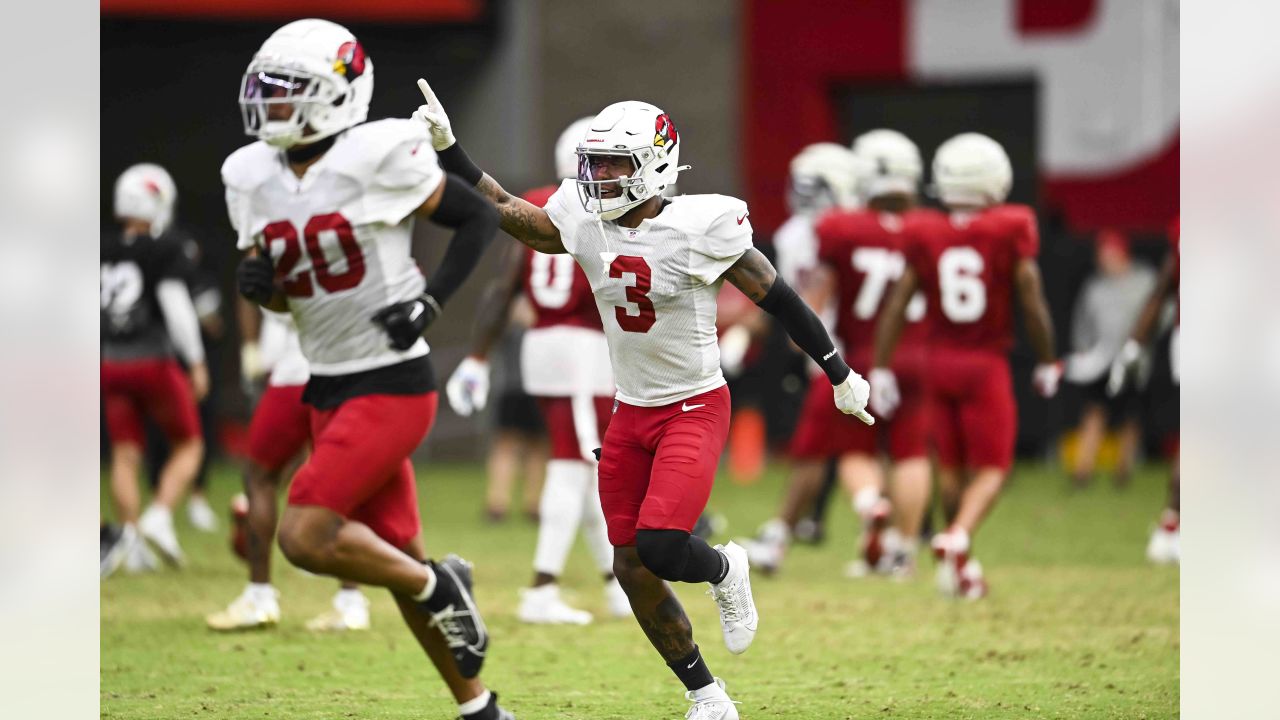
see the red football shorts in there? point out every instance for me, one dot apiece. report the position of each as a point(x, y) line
point(359, 465)
point(155, 387)
point(658, 464)
point(975, 419)
point(280, 427)
point(567, 442)
point(823, 432)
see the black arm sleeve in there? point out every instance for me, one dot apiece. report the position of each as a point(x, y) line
point(805, 328)
point(455, 160)
point(475, 221)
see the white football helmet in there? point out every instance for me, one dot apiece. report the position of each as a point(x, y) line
point(146, 191)
point(972, 170)
point(825, 176)
point(567, 148)
point(314, 67)
point(893, 160)
point(634, 130)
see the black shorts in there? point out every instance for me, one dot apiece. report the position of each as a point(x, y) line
point(518, 412)
point(1120, 408)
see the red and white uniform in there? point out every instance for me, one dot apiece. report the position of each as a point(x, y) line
point(339, 238)
point(564, 358)
point(864, 250)
point(655, 287)
point(281, 422)
point(965, 263)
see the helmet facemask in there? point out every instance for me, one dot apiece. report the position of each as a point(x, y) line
point(309, 96)
point(610, 198)
point(810, 195)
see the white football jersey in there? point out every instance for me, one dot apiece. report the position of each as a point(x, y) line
point(656, 287)
point(281, 351)
point(339, 237)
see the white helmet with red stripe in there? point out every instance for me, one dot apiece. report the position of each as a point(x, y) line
point(635, 130)
point(971, 169)
point(317, 72)
point(146, 192)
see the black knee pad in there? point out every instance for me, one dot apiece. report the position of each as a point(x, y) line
point(664, 552)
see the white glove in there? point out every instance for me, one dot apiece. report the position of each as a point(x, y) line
point(851, 397)
point(252, 369)
point(432, 113)
point(885, 397)
point(1128, 363)
point(1046, 377)
point(468, 386)
point(734, 344)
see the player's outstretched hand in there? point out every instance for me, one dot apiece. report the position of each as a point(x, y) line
point(255, 279)
point(1126, 365)
point(468, 386)
point(406, 321)
point(852, 396)
point(1046, 377)
point(432, 113)
point(885, 396)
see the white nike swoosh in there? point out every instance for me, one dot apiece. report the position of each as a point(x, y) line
point(415, 312)
point(685, 407)
point(695, 662)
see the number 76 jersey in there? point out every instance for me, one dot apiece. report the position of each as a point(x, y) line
point(655, 287)
point(965, 264)
point(339, 237)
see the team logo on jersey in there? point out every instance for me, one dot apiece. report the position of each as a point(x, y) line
point(664, 132)
point(351, 61)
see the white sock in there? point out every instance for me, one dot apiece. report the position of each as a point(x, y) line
point(429, 588)
point(347, 596)
point(475, 704)
point(959, 540)
point(560, 512)
point(594, 529)
point(864, 502)
point(710, 692)
point(261, 590)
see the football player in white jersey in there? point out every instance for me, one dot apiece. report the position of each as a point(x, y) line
point(656, 266)
point(324, 205)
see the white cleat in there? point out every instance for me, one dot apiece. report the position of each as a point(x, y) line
point(543, 606)
point(156, 525)
point(350, 611)
point(711, 703)
point(255, 608)
point(1164, 548)
point(615, 599)
point(201, 515)
point(138, 558)
point(738, 617)
point(763, 555)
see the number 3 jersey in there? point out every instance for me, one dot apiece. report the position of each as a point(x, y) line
point(655, 287)
point(339, 237)
point(965, 263)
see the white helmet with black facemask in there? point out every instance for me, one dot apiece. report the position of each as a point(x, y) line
point(640, 133)
point(315, 68)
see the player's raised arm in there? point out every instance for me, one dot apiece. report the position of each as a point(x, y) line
point(756, 277)
point(521, 219)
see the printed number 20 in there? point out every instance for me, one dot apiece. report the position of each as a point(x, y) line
point(338, 228)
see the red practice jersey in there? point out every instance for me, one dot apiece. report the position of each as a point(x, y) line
point(555, 285)
point(965, 263)
point(864, 249)
point(1175, 240)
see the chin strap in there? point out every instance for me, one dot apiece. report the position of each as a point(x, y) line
point(310, 151)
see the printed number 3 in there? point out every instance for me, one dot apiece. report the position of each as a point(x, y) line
point(637, 294)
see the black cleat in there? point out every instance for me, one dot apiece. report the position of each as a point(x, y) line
point(492, 711)
point(453, 610)
point(111, 549)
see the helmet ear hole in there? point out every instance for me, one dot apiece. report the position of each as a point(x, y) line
point(661, 168)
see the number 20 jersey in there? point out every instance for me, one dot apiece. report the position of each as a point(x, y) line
point(656, 286)
point(339, 237)
point(965, 264)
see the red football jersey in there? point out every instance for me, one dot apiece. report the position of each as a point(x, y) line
point(1175, 240)
point(864, 248)
point(965, 264)
point(555, 285)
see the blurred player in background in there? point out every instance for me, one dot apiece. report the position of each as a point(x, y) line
point(148, 322)
point(324, 205)
point(565, 366)
point(972, 265)
point(278, 437)
point(1131, 366)
point(656, 266)
point(1105, 311)
point(823, 177)
point(861, 258)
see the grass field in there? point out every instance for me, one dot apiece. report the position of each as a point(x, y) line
point(1077, 626)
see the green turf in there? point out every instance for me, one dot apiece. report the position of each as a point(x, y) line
point(1077, 626)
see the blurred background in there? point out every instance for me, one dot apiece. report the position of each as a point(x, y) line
point(1083, 94)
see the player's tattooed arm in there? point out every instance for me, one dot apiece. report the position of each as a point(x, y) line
point(753, 274)
point(1035, 309)
point(495, 304)
point(893, 317)
point(521, 219)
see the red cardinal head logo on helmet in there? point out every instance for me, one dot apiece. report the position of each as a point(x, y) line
point(350, 62)
point(664, 132)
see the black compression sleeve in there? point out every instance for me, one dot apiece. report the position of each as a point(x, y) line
point(455, 160)
point(475, 221)
point(805, 328)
